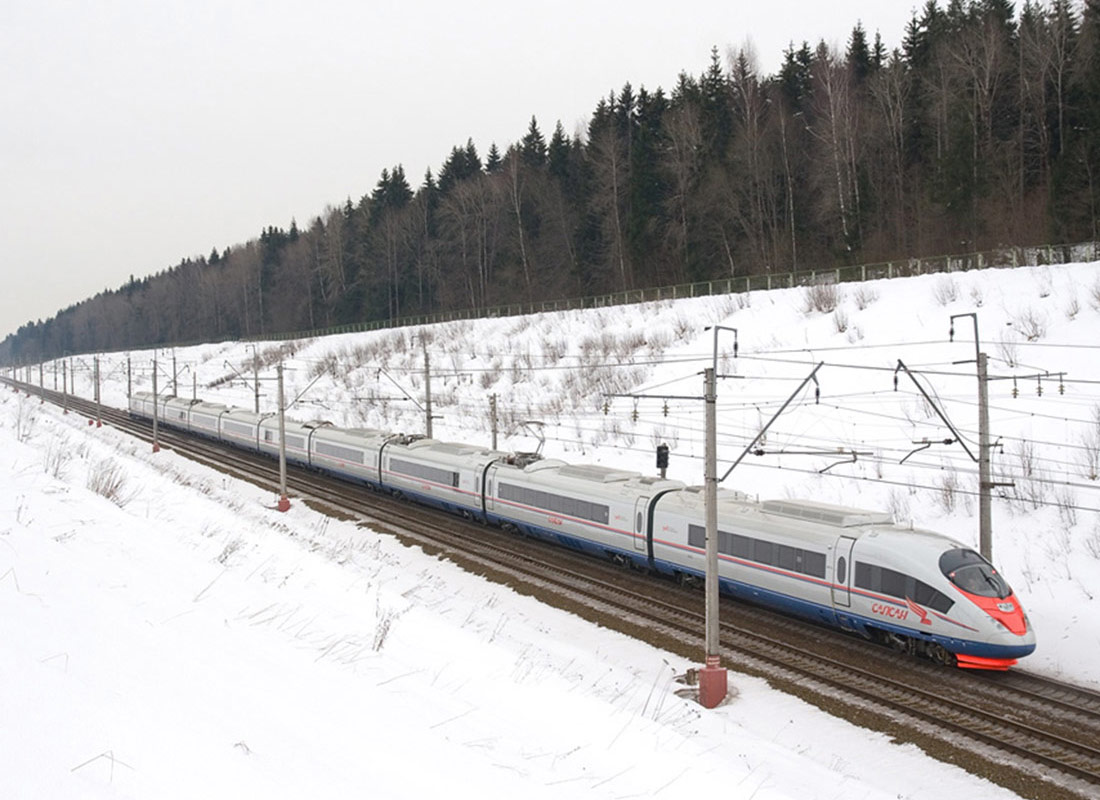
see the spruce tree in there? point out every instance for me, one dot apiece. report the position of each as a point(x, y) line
point(533, 146)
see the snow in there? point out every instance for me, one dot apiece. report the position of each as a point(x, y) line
point(186, 640)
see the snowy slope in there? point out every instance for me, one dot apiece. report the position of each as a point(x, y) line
point(186, 640)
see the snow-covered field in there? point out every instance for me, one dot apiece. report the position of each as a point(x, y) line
point(168, 634)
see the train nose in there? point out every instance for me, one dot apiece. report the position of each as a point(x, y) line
point(1008, 612)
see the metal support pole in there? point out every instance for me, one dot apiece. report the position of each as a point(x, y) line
point(129, 380)
point(175, 383)
point(493, 417)
point(256, 376)
point(985, 477)
point(98, 417)
point(65, 386)
point(427, 391)
point(284, 503)
point(712, 680)
point(194, 387)
point(41, 385)
point(156, 438)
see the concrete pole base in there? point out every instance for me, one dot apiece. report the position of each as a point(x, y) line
point(283, 504)
point(713, 684)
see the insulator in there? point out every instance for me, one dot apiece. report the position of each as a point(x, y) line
point(1015, 389)
point(1039, 389)
point(817, 395)
point(951, 333)
point(665, 409)
point(1061, 385)
point(606, 408)
point(634, 415)
point(895, 381)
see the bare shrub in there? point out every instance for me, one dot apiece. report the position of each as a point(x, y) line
point(1031, 323)
point(230, 548)
point(864, 297)
point(684, 327)
point(946, 291)
point(107, 479)
point(977, 296)
point(822, 297)
point(1009, 352)
point(56, 457)
point(1066, 499)
point(1073, 308)
point(897, 503)
point(1031, 486)
point(1044, 281)
point(840, 320)
point(1094, 294)
point(948, 491)
point(744, 300)
point(1090, 447)
point(384, 621)
point(855, 334)
point(26, 415)
point(1092, 542)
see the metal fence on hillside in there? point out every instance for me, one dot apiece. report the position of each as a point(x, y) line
point(990, 259)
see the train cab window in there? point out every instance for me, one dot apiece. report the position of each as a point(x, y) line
point(973, 574)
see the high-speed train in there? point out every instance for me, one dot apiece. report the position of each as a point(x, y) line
point(918, 591)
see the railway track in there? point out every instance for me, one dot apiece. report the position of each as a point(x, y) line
point(1035, 736)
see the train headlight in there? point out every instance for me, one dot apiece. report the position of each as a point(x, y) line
point(1007, 608)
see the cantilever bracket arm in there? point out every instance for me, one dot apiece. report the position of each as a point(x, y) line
point(936, 408)
point(811, 377)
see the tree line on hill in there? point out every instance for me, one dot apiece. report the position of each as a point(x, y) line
point(981, 129)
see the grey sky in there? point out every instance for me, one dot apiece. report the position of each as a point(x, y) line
point(135, 134)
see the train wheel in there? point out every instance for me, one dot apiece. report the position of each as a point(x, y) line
point(903, 644)
point(941, 655)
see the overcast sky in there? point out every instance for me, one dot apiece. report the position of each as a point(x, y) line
point(135, 134)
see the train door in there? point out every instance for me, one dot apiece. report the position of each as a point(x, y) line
point(641, 506)
point(488, 487)
point(842, 571)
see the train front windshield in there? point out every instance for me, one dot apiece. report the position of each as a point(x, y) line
point(973, 574)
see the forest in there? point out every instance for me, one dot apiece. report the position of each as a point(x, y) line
point(981, 129)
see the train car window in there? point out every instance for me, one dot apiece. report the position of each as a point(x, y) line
point(237, 428)
point(842, 570)
point(444, 477)
point(795, 559)
point(742, 546)
point(813, 563)
point(638, 523)
point(763, 552)
point(336, 451)
point(559, 504)
point(973, 574)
